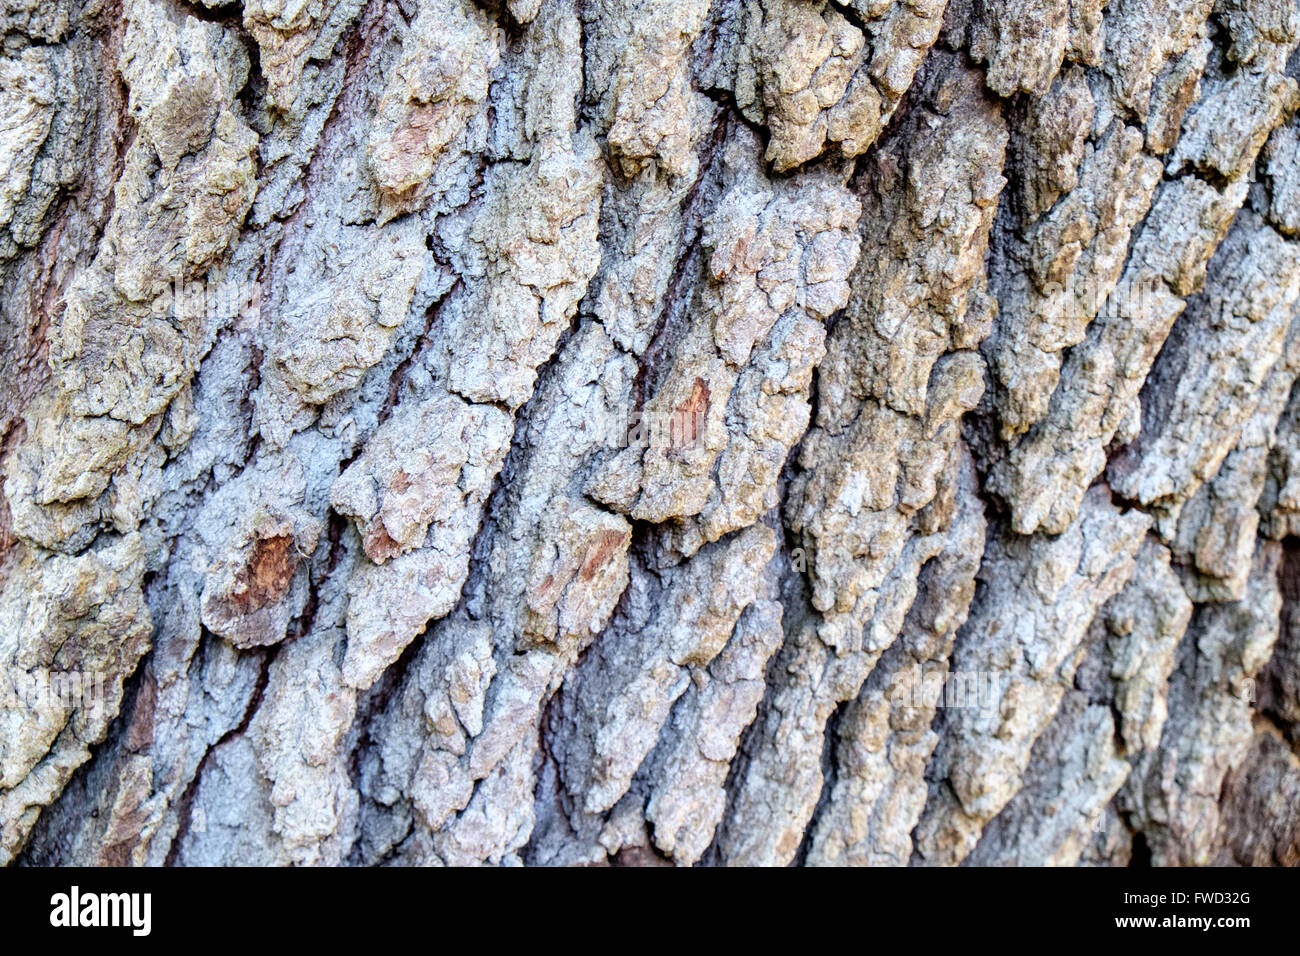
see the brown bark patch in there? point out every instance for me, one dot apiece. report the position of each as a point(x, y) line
point(266, 578)
point(599, 551)
point(379, 544)
point(687, 424)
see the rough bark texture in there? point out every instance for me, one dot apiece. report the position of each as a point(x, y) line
point(651, 431)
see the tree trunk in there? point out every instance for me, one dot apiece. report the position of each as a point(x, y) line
point(650, 431)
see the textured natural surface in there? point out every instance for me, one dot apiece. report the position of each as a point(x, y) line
point(650, 431)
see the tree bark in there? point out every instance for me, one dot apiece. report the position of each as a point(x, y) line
point(650, 431)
